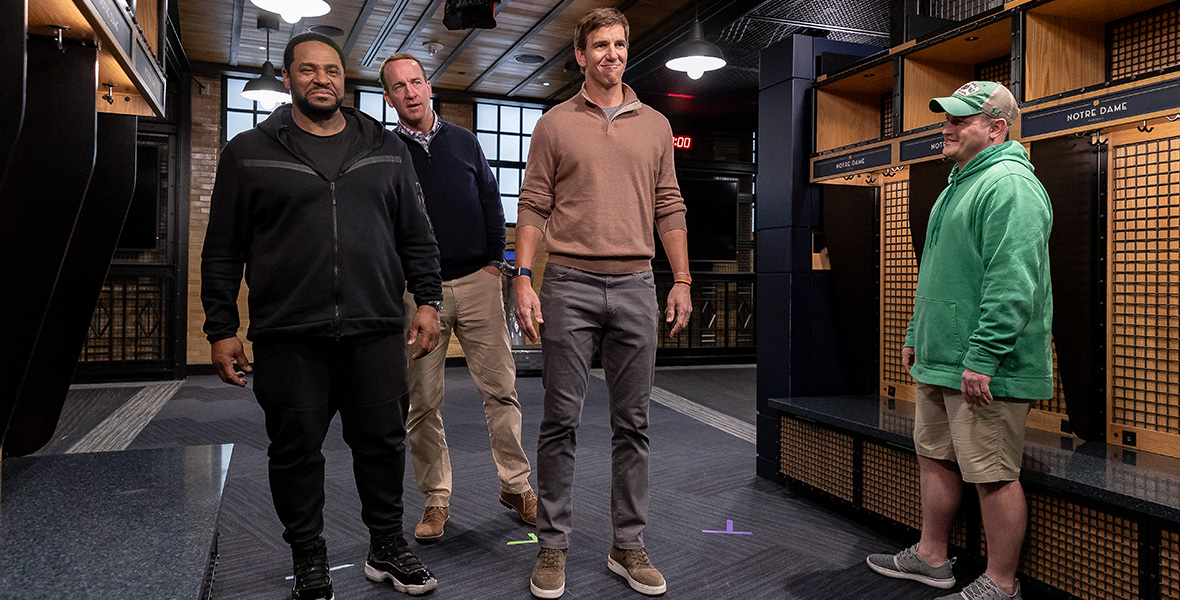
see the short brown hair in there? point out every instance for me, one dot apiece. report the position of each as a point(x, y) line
point(599, 17)
point(399, 56)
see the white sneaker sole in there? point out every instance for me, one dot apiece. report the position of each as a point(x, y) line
point(413, 590)
point(649, 590)
point(897, 573)
point(540, 593)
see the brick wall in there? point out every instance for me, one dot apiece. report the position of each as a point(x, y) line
point(205, 144)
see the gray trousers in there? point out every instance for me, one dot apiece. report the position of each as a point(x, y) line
point(619, 314)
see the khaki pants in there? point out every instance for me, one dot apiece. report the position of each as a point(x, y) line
point(472, 308)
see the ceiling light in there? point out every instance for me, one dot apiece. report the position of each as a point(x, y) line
point(293, 10)
point(433, 47)
point(529, 59)
point(695, 55)
point(267, 90)
point(328, 30)
point(545, 83)
point(972, 38)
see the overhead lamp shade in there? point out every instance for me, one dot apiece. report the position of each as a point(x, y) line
point(696, 54)
point(293, 10)
point(267, 90)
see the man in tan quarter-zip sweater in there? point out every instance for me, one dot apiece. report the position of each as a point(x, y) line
point(600, 178)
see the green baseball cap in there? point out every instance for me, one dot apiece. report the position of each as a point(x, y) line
point(975, 97)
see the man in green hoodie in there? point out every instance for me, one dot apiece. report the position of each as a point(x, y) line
point(979, 342)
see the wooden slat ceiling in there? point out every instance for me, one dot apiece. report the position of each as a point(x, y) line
point(207, 31)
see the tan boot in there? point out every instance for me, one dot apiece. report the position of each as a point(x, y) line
point(636, 568)
point(524, 504)
point(431, 526)
point(548, 580)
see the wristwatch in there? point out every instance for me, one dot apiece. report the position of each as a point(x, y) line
point(435, 304)
point(522, 272)
point(502, 265)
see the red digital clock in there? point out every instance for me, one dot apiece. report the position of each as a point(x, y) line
point(682, 142)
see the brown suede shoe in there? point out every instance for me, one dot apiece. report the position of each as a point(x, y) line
point(635, 567)
point(431, 527)
point(548, 580)
point(524, 504)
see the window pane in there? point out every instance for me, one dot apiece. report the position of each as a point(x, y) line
point(488, 142)
point(373, 104)
point(485, 117)
point(524, 147)
point(237, 122)
point(529, 120)
point(510, 148)
point(509, 181)
point(509, 203)
point(233, 94)
point(510, 119)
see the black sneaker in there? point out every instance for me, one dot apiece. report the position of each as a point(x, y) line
point(391, 560)
point(312, 581)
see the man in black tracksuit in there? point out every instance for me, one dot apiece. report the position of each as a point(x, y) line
point(321, 205)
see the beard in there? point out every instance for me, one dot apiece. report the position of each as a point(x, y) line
point(313, 112)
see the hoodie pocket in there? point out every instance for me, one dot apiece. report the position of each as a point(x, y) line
point(936, 333)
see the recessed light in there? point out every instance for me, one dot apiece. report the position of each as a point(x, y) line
point(971, 39)
point(545, 83)
point(870, 75)
point(529, 59)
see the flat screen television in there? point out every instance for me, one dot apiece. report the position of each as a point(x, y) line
point(711, 218)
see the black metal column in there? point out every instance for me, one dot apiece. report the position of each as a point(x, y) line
point(83, 271)
point(13, 22)
point(40, 197)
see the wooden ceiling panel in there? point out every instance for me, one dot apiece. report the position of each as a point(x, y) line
point(207, 33)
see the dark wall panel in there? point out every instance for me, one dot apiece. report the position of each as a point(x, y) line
point(40, 197)
point(1069, 168)
point(850, 231)
point(83, 271)
point(13, 22)
point(927, 180)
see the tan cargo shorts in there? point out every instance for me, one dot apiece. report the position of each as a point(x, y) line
point(987, 442)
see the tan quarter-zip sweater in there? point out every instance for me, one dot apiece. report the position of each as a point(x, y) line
point(601, 188)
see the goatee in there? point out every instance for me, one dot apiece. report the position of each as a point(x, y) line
point(315, 113)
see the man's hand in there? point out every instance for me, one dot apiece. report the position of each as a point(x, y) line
point(976, 391)
point(228, 354)
point(908, 356)
point(527, 306)
point(490, 270)
point(424, 331)
point(679, 307)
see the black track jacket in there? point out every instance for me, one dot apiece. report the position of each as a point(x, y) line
point(324, 258)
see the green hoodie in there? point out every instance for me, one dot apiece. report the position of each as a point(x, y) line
point(984, 300)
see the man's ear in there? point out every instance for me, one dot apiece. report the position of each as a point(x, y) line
point(999, 128)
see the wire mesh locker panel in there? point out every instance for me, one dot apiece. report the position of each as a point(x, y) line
point(817, 456)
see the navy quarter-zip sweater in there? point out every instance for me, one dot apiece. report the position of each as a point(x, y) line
point(462, 199)
point(324, 257)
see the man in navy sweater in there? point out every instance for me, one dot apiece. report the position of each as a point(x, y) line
point(463, 201)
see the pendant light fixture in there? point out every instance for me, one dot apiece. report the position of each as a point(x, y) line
point(267, 90)
point(293, 10)
point(695, 55)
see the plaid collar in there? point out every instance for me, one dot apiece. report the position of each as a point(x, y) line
point(423, 139)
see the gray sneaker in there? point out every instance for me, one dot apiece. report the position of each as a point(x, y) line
point(984, 589)
point(907, 564)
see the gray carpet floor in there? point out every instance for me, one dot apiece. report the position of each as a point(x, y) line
point(702, 479)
